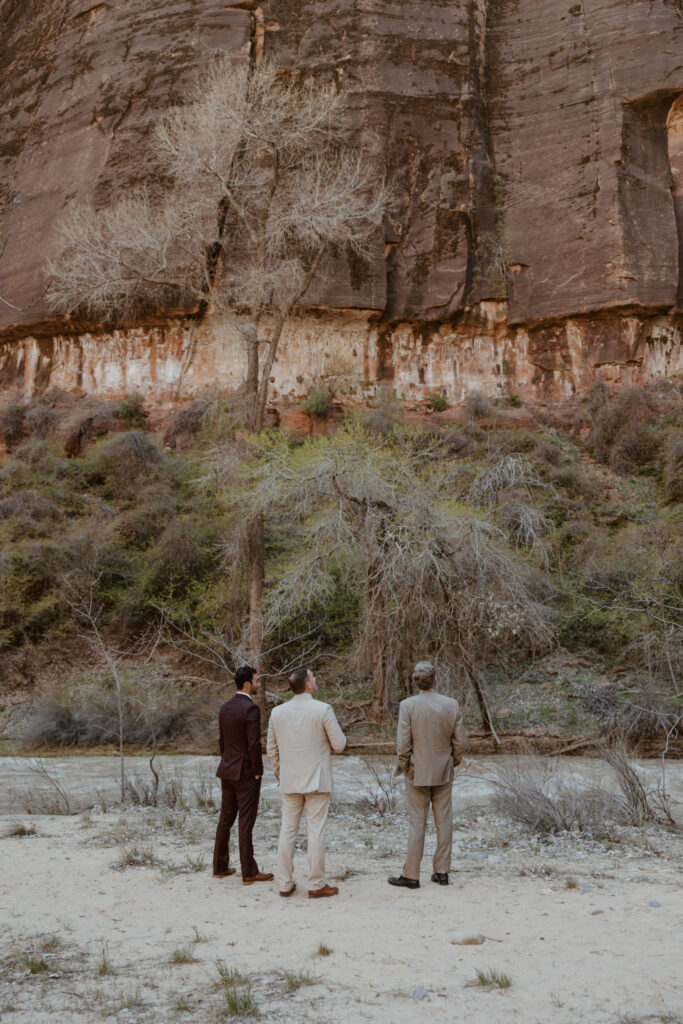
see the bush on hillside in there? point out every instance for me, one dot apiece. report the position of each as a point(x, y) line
point(673, 467)
point(123, 464)
point(318, 403)
point(477, 405)
point(635, 449)
point(132, 410)
point(41, 420)
point(12, 417)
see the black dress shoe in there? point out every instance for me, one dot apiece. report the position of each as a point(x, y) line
point(406, 883)
point(440, 878)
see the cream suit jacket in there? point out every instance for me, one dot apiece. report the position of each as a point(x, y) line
point(302, 735)
point(430, 738)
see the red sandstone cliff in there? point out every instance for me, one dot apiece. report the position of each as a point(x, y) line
point(536, 147)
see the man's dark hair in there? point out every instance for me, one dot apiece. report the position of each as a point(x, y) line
point(243, 675)
point(298, 678)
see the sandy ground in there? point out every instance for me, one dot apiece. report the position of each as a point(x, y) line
point(585, 929)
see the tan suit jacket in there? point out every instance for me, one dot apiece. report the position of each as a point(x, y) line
point(430, 738)
point(302, 735)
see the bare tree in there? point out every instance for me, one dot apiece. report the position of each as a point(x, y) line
point(263, 191)
point(430, 571)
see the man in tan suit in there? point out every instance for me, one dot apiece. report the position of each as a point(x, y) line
point(302, 735)
point(429, 742)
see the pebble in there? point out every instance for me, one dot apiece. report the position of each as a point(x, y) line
point(467, 939)
point(640, 878)
point(420, 993)
point(654, 903)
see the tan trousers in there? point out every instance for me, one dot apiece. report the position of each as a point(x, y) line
point(419, 798)
point(317, 806)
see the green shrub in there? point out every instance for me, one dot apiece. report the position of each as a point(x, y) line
point(318, 403)
point(184, 556)
point(142, 524)
point(514, 401)
point(132, 410)
point(438, 402)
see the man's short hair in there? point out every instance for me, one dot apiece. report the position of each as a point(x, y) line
point(243, 675)
point(298, 678)
point(424, 674)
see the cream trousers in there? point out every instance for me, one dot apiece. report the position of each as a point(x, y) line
point(317, 806)
point(419, 798)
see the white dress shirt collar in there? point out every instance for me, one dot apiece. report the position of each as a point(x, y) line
point(241, 693)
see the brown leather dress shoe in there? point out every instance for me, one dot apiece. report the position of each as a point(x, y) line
point(258, 877)
point(224, 874)
point(288, 892)
point(327, 890)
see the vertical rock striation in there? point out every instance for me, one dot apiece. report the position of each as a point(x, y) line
point(536, 153)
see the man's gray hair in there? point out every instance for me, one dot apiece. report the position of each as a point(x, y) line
point(424, 675)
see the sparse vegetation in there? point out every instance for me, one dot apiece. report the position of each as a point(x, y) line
point(105, 967)
point(477, 405)
point(34, 964)
point(18, 830)
point(492, 978)
point(136, 857)
point(132, 410)
point(296, 979)
point(324, 950)
point(237, 994)
point(318, 403)
point(183, 955)
point(438, 402)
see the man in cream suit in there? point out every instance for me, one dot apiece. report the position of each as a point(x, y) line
point(429, 742)
point(302, 735)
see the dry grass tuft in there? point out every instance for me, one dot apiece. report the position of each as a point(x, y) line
point(492, 978)
point(136, 857)
point(296, 979)
point(18, 830)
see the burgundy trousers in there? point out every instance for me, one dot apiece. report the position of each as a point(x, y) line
point(241, 798)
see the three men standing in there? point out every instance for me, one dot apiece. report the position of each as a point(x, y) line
point(302, 735)
point(429, 742)
point(240, 771)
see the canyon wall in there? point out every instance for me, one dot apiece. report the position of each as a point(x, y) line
point(536, 152)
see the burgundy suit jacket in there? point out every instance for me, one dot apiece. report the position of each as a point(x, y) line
point(239, 721)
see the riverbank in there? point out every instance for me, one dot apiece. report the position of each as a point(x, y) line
point(582, 928)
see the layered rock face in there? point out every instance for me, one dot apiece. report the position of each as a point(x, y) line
point(536, 151)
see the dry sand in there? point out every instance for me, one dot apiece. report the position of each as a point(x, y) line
point(608, 948)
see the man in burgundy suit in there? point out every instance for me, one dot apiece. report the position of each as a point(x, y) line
point(240, 772)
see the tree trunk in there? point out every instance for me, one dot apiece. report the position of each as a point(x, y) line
point(380, 710)
point(486, 719)
point(255, 627)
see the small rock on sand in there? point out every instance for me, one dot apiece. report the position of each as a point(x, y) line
point(467, 939)
point(420, 993)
